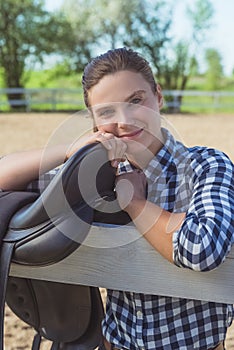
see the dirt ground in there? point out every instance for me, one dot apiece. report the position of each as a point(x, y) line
point(26, 131)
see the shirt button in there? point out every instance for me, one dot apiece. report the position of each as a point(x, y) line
point(139, 314)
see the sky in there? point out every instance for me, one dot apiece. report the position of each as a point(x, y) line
point(220, 35)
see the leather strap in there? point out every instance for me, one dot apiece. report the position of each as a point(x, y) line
point(55, 346)
point(5, 260)
point(36, 342)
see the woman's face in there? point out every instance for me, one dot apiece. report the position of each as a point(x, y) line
point(123, 104)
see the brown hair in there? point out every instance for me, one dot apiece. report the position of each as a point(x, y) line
point(111, 62)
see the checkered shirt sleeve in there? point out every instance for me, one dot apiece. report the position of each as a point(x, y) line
point(40, 184)
point(206, 236)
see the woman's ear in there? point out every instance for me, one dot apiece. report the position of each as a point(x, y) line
point(159, 96)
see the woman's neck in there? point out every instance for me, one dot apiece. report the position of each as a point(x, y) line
point(142, 159)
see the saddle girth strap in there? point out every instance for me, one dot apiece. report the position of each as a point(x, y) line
point(36, 342)
point(5, 261)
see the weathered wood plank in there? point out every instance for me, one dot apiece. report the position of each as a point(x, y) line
point(118, 258)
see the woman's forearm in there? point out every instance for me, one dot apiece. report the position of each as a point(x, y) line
point(156, 225)
point(19, 169)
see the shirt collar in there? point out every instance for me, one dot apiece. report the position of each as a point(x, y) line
point(163, 161)
point(171, 154)
point(166, 153)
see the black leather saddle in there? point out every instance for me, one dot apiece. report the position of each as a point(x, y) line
point(43, 229)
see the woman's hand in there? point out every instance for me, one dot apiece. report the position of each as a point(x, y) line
point(130, 189)
point(116, 148)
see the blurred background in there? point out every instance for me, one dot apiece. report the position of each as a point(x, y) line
point(45, 44)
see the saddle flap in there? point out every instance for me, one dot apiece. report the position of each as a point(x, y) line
point(59, 312)
point(49, 244)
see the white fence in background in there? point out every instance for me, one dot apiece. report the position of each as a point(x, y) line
point(41, 99)
point(71, 99)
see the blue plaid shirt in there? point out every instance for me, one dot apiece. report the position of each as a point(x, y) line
point(200, 182)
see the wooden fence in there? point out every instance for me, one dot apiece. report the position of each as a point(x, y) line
point(71, 99)
point(118, 257)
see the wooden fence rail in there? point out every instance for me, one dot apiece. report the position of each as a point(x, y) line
point(117, 257)
point(71, 99)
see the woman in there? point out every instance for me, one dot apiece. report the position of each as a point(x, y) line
point(181, 199)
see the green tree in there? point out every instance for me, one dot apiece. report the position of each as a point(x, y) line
point(201, 16)
point(83, 19)
point(95, 24)
point(176, 70)
point(184, 61)
point(143, 25)
point(115, 18)
point(27, 33)
point(148, 31)
point(214, 73)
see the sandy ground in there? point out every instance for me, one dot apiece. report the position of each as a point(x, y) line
point(26, 131)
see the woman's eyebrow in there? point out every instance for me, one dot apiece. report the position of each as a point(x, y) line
point(103, 108)
point(135, 93)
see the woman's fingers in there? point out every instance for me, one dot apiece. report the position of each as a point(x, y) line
point(116, 148)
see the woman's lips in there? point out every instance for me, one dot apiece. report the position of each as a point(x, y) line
point(131, 135)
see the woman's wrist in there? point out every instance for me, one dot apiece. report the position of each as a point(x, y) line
point(135, 207)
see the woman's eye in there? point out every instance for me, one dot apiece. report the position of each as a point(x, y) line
point(136, 100)
point(106, 113)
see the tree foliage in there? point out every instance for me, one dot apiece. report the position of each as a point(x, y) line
point(214, 72)
point(27, 32)
point(185, 54)
point(82, 16)
point(97, 23)
point(81, 29)
point(181, 59)
point(145, 26)
point(201, 15)
point(113, 19)
point(148, 31)
point(140, 24)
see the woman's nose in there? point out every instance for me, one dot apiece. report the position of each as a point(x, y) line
point(124, 118)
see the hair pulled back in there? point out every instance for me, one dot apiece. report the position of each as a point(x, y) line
point(114, 61)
